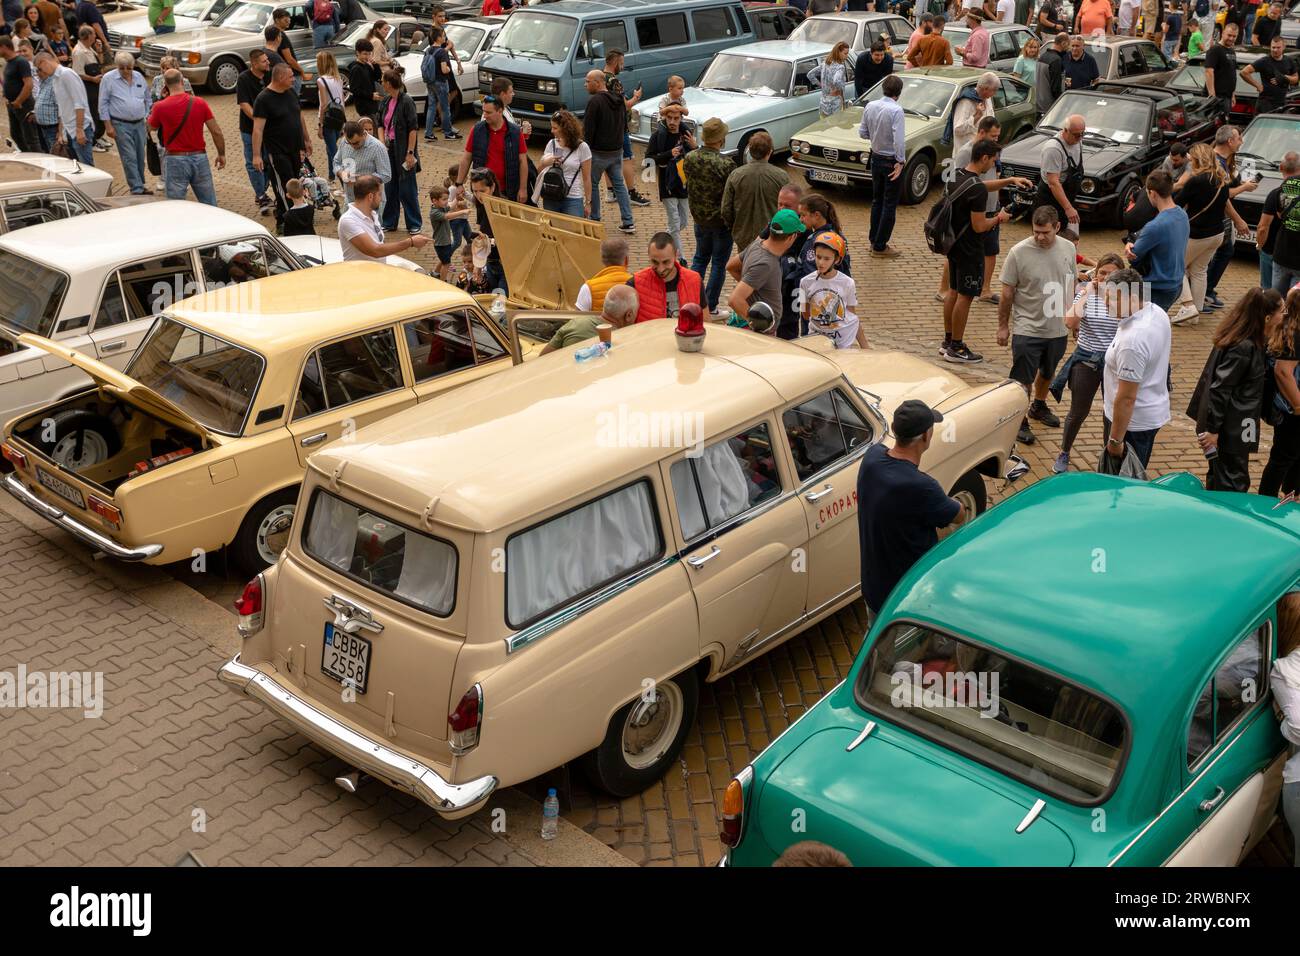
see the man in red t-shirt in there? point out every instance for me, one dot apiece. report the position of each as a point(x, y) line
point(179, 118)
point(487, 146)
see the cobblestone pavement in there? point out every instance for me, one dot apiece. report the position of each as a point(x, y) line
point(675, 822)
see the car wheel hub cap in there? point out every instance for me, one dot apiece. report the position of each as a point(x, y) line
point(227, 76)
point(651, 726)
point(273, 533)
point(80, 450)
point(920, 180)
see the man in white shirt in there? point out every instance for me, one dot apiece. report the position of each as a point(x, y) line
point(1136, 378)
point(1128, 16)
point(76, 128)
point(882, 124)
point(361, 235)
point(968, 112)
point(1006, 11)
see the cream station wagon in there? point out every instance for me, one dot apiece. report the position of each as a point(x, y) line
point(547, 567)
point(201, 442)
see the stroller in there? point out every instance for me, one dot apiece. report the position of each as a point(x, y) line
point(316, 189)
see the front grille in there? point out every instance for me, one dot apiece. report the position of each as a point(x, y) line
point(151, 54)
point(522, 84)
point(116, 39)
point(1008, 171)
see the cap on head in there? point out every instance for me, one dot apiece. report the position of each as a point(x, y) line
point(912, 419)
point(786, 222)
point(714, 130)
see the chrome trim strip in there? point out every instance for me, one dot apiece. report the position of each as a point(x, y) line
point(1031, 816)
point(360, 751)
point(536, 632)
point(74, 527)
point(866, 731)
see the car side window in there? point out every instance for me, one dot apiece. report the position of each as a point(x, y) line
point(728, 478)
point(1004, 45)
point(439, 344)
point(901, 30)
point(359, 367)
point(715, 24)
point(668, 29)
point(824, 430)
point(1237, 684)
point(276, 261)
point(240, 260)
point(297, 17)
point(599, 39)
point(1130, 61)
point(153, 285)
point(1013, 93)
point(486, 345)
point(801, 71)
point(32, 210)
point(1153, 58)
point(112, 307)
point(1000, 97)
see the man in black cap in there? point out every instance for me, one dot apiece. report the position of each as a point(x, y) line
point(900, 508)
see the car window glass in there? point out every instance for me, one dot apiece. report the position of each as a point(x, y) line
point(1004, 45)
point(801, 71)
point(240, 260)
point(1000, 97)
point(823, 430)
point(713, 24)
point(728, 478)
point(311, 396)
point(277, 263)
point(112, 308)
point(1155, 60)
point(359, 367)
point(22, 211)
point(668, 29)
point(486, 345)
point(439, 344)
point(1130, 61)
point(580, 551)
point(598, 39)
point(1236, 685)
point(156, 284)
point(901, 29)
point(1013, 93)
point(297, 17)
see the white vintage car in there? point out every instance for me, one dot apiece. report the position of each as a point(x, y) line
point(95, 183)
point(128, 32)
point(472, 37)
point(757, 86)
point(858, 28)
point(94, 283)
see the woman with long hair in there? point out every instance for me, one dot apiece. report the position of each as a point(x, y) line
point(1229, 396)
point(1203, 193)
point(1026, 66)
point(378, 37)
point(330, 116)
point(831, 75)
point(399, 126)
point(483, 185)
point(573, 157)
point(818, 215)
point(1093, 327)
point(1282, 472)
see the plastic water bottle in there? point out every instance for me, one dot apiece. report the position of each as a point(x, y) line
point(498, 311)
point(588, 352)
point(550, 815)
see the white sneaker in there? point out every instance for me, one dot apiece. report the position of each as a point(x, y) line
point(1185, 314)
point(104, 143)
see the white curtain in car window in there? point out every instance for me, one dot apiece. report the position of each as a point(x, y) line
point(428, 573)
point(689, 515)
point(723, 480)
point(575, 552)
point(332, 534)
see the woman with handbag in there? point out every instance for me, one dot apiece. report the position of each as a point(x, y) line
point(565, 181)
point(1282, 473)
point(1230, 393)
point(330, 116)
point(1203, 194)
point(399, 128)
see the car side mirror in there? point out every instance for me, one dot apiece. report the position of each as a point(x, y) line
point(1169, 135)
point(801, 90)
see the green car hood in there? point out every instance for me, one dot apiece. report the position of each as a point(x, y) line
point(886, 803)
point(841, 129)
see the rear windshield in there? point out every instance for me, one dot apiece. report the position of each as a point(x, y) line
point(415, 568)
point(30, 293)
point(1027, 723)
point(211, 380)
point(817, 30)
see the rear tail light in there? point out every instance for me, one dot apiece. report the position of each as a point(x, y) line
point(249, 606)
point(733, 809)
point(464, 722)
point(106, 511)
point(13, 456)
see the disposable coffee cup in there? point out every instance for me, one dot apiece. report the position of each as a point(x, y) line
point(606, 332)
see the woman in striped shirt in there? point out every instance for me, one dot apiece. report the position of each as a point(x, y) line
point(1093, 327)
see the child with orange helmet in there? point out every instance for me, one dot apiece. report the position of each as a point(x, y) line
point(829, 297)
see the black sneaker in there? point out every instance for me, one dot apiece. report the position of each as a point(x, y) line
point(1025, 436)
point(960, 353)
point(636, 198)
point(630, 230)
point(1039, 412)
point(452, 135)
point(947, 342)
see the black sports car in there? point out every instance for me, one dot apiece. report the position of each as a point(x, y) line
point(1130, 129)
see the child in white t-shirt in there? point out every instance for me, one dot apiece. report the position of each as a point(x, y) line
point(676, 95)
point(829, 297)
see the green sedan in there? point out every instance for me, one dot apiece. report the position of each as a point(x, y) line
point(1079, 677)
point(830, 152)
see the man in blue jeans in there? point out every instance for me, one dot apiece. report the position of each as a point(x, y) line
point(706, 181)
point(75, 126)
point(124, 102)
point(1135, 383)
point(603, 126)
point(180, 121)
point(251, 82)
point(435, 70)
point(882, 124)
point(1162, 242)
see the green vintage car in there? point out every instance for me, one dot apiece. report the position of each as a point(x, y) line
point(1079, 677)
point(830, 152)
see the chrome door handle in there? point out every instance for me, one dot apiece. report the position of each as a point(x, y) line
point(815, 495)
point(113, 346)
point(313, 439)
point(1206, 806)
point(699, 562)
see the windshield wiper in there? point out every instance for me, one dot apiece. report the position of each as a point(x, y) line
point(1101, 136)
point(908, 109)
point(730, 89)
point(1242, 152)
point(535, 53)
point(1054, 129)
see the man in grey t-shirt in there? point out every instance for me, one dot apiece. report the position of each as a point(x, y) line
point(1060, 166)
point(757, 270)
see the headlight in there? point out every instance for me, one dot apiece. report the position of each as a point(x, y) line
point(634, 122)
point(1088, 186)
point(485, 79)
point(548, 86)
point(866, 158)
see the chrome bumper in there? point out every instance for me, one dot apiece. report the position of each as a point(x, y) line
point(1017, 468)
point(357, 749)
point(76, 528)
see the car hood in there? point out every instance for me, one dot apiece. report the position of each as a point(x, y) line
point(704, 104)
point(1097, 159)
point(1254, 200)
point(894, 377)
point(889, 802)
point(92, 181)
point(201, 38)
point(140, 26)
point(841, 129)
point(546, 256)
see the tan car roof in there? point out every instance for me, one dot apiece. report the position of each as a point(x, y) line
point(535, 436)
point(302, 308)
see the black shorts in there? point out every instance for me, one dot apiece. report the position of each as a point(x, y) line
point(991, 247)
point(1031, 355)
point(444, 253)
point(966, 273)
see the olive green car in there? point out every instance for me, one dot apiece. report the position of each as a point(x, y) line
point(830, 152)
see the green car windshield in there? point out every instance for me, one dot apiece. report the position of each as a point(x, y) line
point(1107, 118)
point(920, 94)
point(1024, 722)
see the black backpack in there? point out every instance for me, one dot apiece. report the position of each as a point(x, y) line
point(554, 186)
point(939, 233)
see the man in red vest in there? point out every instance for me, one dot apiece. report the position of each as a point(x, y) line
point(665, 285)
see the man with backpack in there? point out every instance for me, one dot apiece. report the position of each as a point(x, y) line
point(955, 228)
point(435, 70)
point(1286, 248)
point(324, 22)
